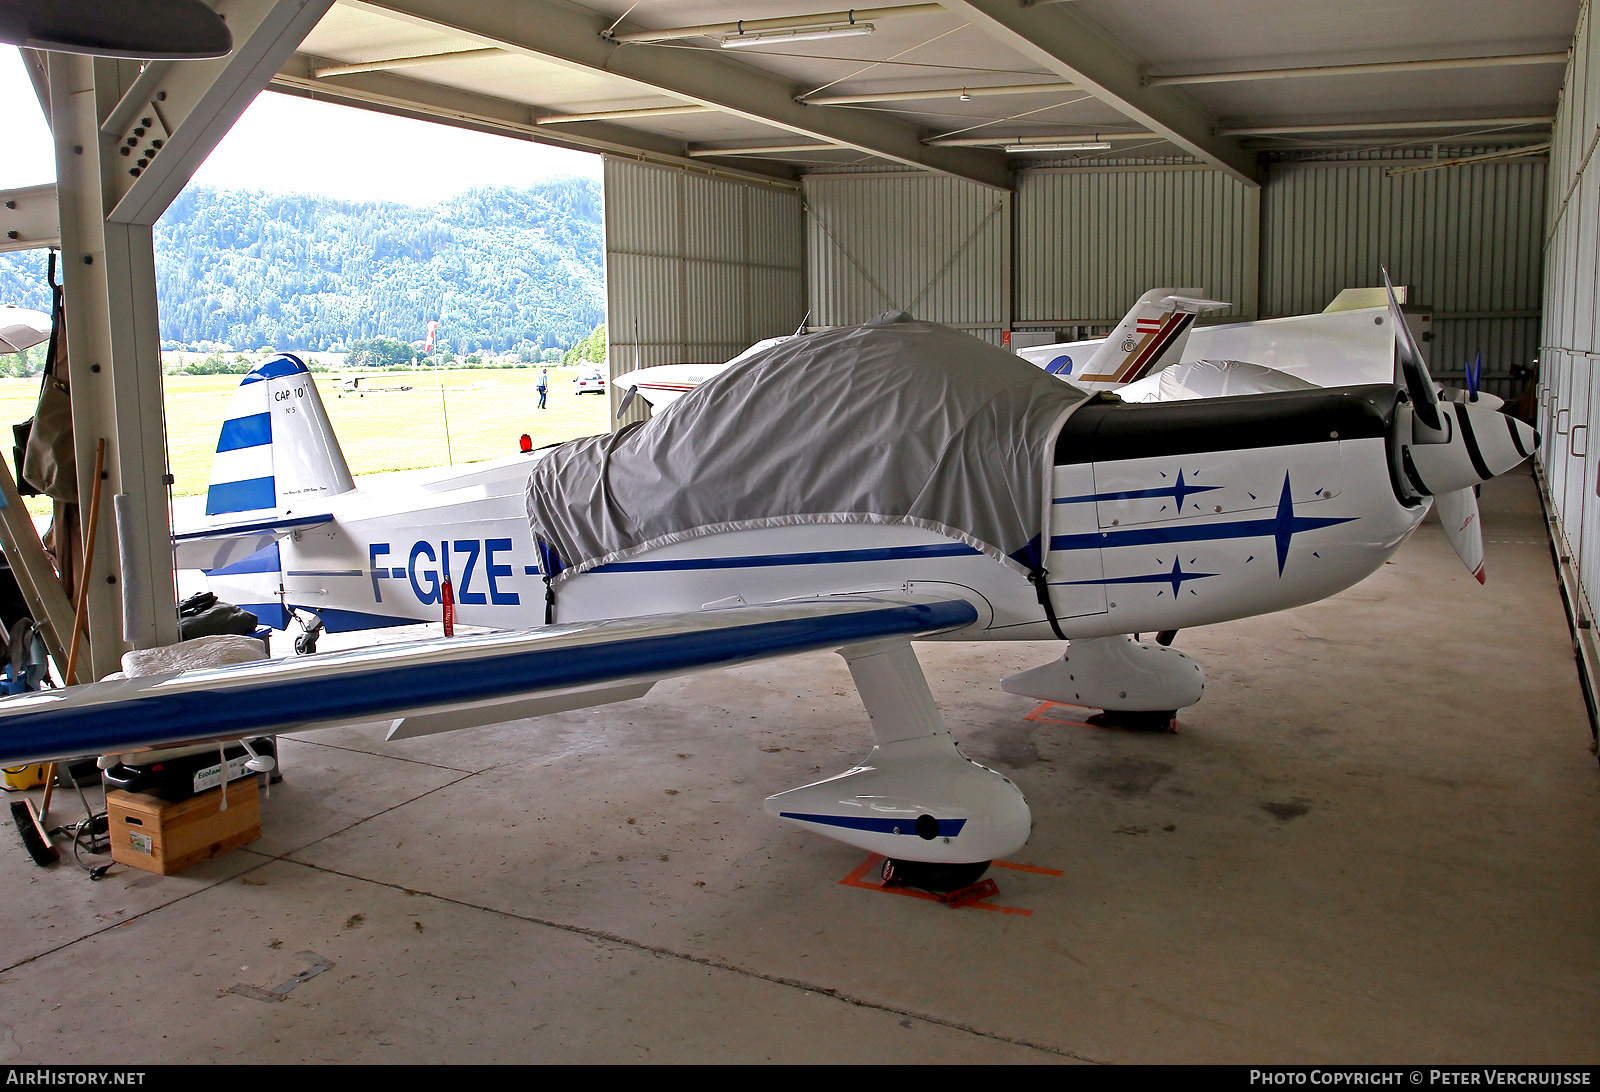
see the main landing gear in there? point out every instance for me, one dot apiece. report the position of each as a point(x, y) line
point(938, 878)
point(1136, 720)
point(306, 643)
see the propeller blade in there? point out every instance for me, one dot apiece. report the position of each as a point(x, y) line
point(1458, 513)
point(1414, 372)
point(1475, 378)
point(627, 400)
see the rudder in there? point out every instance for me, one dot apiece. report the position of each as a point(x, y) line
point(1150, 337)
point(276, 447)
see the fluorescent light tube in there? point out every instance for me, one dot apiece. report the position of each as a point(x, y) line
point(794, 34)
point(1081, 146)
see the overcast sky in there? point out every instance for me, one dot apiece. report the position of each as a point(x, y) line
point(288, 144)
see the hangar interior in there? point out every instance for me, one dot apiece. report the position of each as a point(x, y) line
point(1371, 842)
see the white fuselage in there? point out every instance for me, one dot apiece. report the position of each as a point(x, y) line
point(1136, 545)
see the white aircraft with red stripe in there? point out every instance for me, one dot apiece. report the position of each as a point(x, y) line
point(1150, 337)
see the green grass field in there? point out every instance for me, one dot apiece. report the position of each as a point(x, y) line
point(382, 429)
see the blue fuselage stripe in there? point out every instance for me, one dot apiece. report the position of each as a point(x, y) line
point(1133, 494)
point(1207, 532)
point(758, 561)
point(271, 615)
point(241, 432)
point(948, 828)
point(242, 708)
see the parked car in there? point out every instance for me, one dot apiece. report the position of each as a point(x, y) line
point(591, 383)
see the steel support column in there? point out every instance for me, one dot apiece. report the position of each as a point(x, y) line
point(75, 123)
point(109, 203)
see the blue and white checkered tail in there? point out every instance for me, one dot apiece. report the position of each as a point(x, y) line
point(276, 449)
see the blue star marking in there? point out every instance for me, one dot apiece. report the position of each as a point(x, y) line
point(1180, 490)
point(1177, 492)
point(1287, 524)
point(1281, 528)
point(1175, 577)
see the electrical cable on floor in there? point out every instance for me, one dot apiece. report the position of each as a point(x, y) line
point(98, 828)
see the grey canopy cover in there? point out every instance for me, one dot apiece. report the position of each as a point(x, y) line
point(895, 421)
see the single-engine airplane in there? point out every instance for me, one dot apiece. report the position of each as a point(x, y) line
point(1155, 354)
point(855, 490)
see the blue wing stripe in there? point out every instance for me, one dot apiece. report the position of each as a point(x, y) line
point(249, 703)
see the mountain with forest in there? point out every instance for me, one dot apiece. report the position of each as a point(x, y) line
point(501, 268)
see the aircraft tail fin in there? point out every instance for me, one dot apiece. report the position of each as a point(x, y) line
point(1150, 337)
point(276, 447)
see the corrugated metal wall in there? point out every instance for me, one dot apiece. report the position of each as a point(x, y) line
point(1091, 241)
point(1467, 238)
point(1088, 241)
point(697, 268)
point(1568, 398)
point(937, 247)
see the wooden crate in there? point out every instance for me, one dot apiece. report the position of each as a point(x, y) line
point(148, 832)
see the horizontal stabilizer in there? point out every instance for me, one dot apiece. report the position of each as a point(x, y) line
point(218, 545)
point(1195, 305)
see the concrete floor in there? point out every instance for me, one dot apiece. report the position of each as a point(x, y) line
point(1376, 839)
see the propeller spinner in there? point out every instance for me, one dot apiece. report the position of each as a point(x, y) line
point(1454, 446)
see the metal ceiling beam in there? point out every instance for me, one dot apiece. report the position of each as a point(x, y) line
point(390, 63)
point(572, 37)
point(1071, 45)
point(765, 149)
point(405, 97)
point(1390, 126)
point(624, 115)
point(1376, 68)
point(175, 112)
point(1036, 138)
point(960, 93)
point(39, 75)
point(781, 22)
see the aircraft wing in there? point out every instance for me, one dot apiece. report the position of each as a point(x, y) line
point(219, 544)
point(458, 682)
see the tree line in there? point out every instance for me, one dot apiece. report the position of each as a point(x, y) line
point(502, 269)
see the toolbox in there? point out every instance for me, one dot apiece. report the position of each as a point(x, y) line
point(152, 834)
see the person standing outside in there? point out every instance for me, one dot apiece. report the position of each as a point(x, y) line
point(544, 385)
